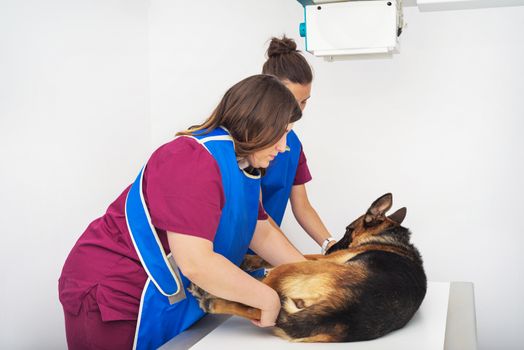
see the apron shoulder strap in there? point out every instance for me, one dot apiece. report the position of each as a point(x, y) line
point(146, 242)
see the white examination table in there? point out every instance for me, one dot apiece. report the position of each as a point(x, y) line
point(446, 320)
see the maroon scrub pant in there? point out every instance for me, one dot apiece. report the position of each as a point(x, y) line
point(87, 330)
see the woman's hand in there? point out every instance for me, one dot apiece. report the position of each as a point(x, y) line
point(270, 313)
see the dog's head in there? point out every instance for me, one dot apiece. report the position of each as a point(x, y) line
point(372, 223)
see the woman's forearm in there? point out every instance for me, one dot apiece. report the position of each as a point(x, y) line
point(220, 277)
point(273, 246)
point(217, 275)
point(307, 216)
point(310, 221)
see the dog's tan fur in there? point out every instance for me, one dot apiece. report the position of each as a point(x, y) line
point(318, 289)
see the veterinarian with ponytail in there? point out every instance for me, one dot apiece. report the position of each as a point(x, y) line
point(287, 175)
point(190, 216)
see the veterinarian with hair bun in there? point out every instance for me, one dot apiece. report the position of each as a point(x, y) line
point(190, 216)
point(287, 175)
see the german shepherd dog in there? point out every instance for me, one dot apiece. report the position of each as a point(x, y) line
point(368, 284)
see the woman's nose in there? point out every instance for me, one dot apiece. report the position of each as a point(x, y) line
point(281, 144)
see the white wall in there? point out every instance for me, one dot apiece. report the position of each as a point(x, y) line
point(438, 125)
point(74, 129)
point(198, 49)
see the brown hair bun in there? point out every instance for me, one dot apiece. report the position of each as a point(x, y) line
point(281, 46)
point(286, 62)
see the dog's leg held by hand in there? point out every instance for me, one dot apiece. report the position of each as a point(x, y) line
point(213, 305)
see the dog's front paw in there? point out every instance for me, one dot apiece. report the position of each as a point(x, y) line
point(253, 262)
point(205, 300)
point(196, 290)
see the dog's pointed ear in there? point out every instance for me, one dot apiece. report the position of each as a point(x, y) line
point(399, 215)
point(378, 208)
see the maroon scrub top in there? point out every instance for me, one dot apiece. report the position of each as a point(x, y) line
point(183, 191)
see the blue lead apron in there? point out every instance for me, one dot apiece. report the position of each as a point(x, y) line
point(278, 180)
point(165, 308)
point(276, 185)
